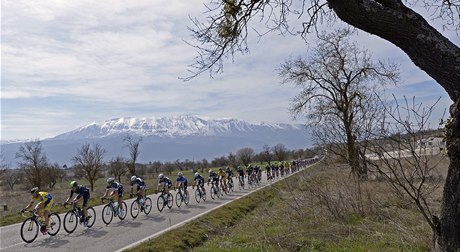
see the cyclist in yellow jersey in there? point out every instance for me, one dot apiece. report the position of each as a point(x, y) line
point(222, 179)
point(45, 201)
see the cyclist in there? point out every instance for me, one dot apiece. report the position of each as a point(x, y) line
point(223, 179)
point(113, 187)
point(214, 177)
point(165, 182)
point(45, 202)
point(181, 181)
point(140, 188)
point(229, 174)
point(241, 175)
point(82, 195)
point(198, 181)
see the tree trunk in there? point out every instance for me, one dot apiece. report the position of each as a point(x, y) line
point(440, 59)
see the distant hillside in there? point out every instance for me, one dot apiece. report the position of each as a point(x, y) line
point(170, 138)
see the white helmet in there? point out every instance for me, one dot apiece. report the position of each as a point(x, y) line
point(180, 174)
point(161, 176)
point(210, 170)
point(133, 178)
point(197, 174)
point(110, 180)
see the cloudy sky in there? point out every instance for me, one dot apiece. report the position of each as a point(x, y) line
point(69, 63)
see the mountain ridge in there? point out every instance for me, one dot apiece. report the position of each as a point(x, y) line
point(169, 138)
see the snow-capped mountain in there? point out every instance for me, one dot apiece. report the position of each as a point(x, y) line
point(177, 126)
point(170, 138)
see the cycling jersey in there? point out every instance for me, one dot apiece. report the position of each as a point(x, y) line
point(183, 180)
point(43, 197)
point(200, 180)
point(82, 192)
point(222, 174)
point(115, 186)
point(165, 180)
point(139, 182)
point(46, 198)
point(213, 176)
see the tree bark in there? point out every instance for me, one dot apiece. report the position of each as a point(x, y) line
point(439, 58)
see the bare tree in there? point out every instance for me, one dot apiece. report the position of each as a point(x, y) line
point(133, 145)
point(280, 152)
point(89, 161)
point(266, 155)
point(406, 154)
point(12, 177)
point(245, 155)
point(337, 81)
point(226, 32)
point(53, 174)
point(33, 162)
point(118, 167)
point(232, 159)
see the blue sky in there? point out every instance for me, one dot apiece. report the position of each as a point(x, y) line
point(69, 63)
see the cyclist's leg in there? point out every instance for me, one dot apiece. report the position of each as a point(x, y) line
point(120, 198)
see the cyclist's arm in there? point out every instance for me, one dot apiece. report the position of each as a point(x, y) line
point(29, 205)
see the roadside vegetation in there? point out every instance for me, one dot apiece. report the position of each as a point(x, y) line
point(320, 208)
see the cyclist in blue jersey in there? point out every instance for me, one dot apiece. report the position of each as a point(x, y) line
point(82, 196)
point(181, 181)
point(111, 188)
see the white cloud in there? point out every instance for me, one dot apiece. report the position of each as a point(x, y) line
point(97, 60)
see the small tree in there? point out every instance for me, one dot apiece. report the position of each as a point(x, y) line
point(133, 145)
point(53, 174)
point(245, 155)
point(33, 162)
point(88, 162)
point(266, 155)
point(118, 167)
point(280, 152)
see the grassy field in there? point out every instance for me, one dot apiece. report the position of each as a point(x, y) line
point(320, 209)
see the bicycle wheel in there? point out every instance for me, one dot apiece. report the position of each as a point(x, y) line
point(197, 195)
point(134, 209)
point(122, 214)
point(160, 203)
point(147, 205)
point(54, 224)
point(178, 199)
point(70, 222)
point(186, 197)
point(29, 230)
point(213, 192)
point(170, 200)
point(107, 214)
point(203, 194)
point(217, 191)
point(90, 216)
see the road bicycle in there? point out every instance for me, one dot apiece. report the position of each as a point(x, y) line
point(31, 225)
point(112, 209)
point(200, 194)
point(214, 190)
point(182, 196)
point(141, 204)
point(75, 216)
point(241, 182)
point(230, 184)
point(165, 199)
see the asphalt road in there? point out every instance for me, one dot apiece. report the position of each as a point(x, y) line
point(119, 235)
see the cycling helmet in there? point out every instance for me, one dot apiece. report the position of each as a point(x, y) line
point(161, 176)
point(133, 178)
point(34, 190)
point(110, 180)
point(197, 174)
point(228, 168)
point(73, 183)
point(180, 174)
point(210, 171)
